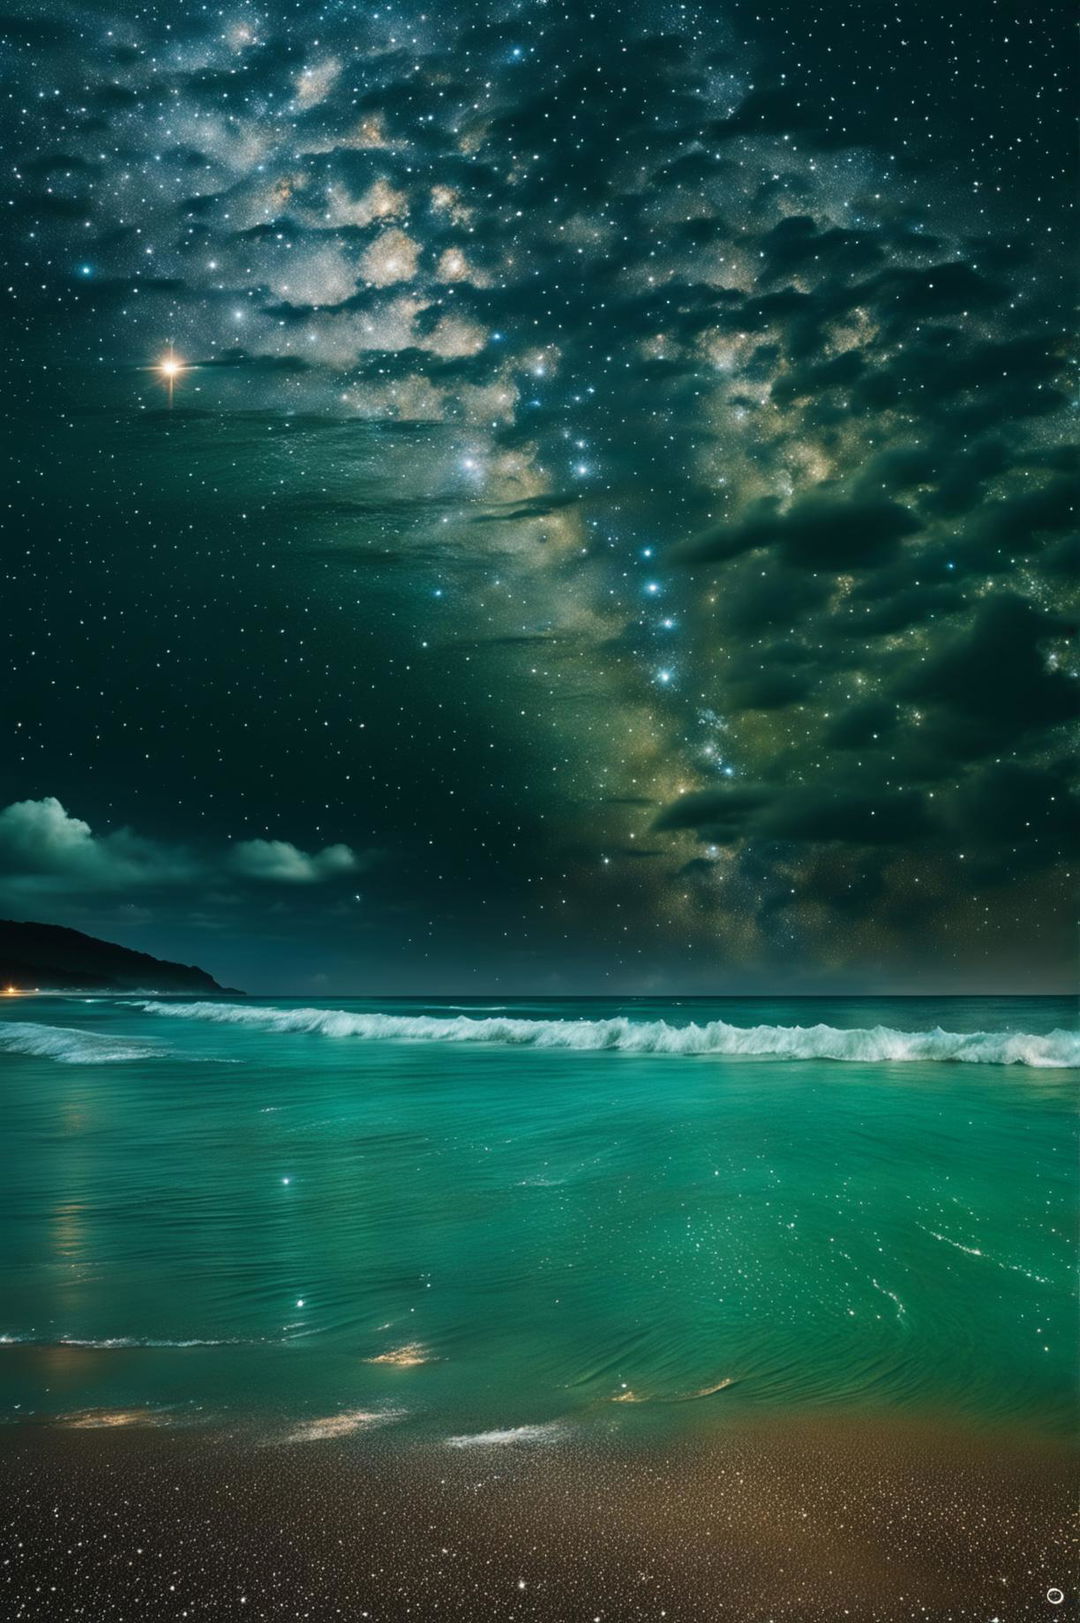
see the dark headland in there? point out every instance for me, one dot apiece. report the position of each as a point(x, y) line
point(49, 957)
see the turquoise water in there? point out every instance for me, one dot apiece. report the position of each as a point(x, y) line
point(568, 1214)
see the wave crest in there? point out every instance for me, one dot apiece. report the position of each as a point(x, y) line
point(874, 1045)
point(69, 1045)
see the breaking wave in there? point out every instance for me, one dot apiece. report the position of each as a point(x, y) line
point(877, 1044)
point(70, 1046)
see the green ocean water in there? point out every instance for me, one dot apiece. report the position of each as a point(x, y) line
point(578, 1214)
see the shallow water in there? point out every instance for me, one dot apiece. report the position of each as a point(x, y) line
point(274, 1219)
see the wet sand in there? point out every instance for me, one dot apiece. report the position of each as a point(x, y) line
point(809, 1519)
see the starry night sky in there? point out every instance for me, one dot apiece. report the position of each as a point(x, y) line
point(611, 526)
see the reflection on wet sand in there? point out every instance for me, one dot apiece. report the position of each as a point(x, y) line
point(341, 1425)
point(108, 1419)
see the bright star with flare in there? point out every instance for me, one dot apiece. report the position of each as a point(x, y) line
point(169, 368)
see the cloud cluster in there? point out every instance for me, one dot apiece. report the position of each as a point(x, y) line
point(278, 862)
point(41, 846)
point(46, 851)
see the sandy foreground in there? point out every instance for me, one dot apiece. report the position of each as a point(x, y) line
point(813, 1519)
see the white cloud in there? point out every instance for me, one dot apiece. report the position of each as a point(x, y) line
point(43, 847)
point(44, 851)
point(282, 863)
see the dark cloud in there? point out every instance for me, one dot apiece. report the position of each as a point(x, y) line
point(755, 599)
point(989, 685)
point(862, 725)
point(798, 245)
point(824, 531)
point(720, 815)
point(1032, 810)
point(802, 813)
point(1018, 525)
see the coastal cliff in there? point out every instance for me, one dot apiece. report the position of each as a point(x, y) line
point(44, 957)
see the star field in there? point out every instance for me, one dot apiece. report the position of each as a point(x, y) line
point(608, 521)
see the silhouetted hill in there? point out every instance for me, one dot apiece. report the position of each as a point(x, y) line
point(46, 956)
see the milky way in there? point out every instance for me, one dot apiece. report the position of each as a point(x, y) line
point(609, 523)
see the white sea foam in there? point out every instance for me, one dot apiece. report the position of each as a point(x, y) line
point(70, 1046)
point(877, 1044)
point(553, 1432)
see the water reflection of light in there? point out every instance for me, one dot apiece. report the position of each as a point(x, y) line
point(67, 1230)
